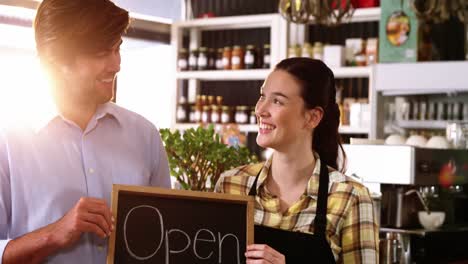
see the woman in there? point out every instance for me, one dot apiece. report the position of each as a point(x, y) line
point(305, 207)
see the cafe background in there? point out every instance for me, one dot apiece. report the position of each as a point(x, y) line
point(401, 82)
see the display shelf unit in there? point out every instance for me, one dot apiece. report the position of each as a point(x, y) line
point(280, 38)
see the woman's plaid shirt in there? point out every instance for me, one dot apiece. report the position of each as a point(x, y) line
point(352, 231)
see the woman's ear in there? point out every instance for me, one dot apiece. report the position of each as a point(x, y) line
point(313, 117)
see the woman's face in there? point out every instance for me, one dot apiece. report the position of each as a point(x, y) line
point(283, 119)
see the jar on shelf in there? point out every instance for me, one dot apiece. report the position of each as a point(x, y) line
point(266, 56)
point(252, 117)
point(182, 110)
point(219, 59)
point(250, 58)
point(237, 58)
point(227, 58)
point(198, 109)
point(294, 51)
point(206, 114)
point(215, 114)
point(318, 51)
point(182, 62)
point(202, 61)
point(307, 50)
point(211, 59)
point(210, 100)
point(225, 114)
point(193, 58)
point(192, 114)
point(219, 100)
point(241, 116)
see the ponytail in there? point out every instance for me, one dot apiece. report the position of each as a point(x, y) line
point(318, 90)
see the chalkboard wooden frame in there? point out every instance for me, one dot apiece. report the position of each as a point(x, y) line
point(183, 195)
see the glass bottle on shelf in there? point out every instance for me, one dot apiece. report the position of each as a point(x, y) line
point(211, 59)
point(252, 117)
point(237, 58)
point(266, 56)
point(219, 100)
point(318, 51)
point(182, 113)
point(215, 116)
point(193, 58)
point(198, 109)
point(250, 57)
point(202, 61)
point(219, 59)
point(206, 114)
point(182, 62)
point(192, 114)
point(225, 114)
point(227, 58)
point(241, 116)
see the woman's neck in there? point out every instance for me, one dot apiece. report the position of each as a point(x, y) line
point(292, 170)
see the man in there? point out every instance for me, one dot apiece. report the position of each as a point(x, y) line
point(56, 178)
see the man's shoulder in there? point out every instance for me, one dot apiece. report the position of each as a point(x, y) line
point(128, 117)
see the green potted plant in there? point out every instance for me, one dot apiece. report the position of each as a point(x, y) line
point(198, 157)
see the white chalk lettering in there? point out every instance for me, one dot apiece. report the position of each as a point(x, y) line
point(166, 235)
point(125, 232)
point(196, 239)
point(220, 245)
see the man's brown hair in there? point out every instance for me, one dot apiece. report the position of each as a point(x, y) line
point(66, 28)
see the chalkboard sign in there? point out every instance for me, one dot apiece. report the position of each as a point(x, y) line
point(155, 225)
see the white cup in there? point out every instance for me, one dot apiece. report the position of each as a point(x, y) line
point(431, 221)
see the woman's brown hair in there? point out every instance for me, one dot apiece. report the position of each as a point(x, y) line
point(66, 28)
point(318, 90)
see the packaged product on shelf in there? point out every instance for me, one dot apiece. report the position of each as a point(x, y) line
point(198, 109)
point(252, 117)
point(215, 116)
point(225, 114)
point(193, 58)
point(361, 57)
point(241, 116)
point(210, 100)
point(227, 58)
point(318, 51)
point(266, 56)
point(371, 51)
point(202, 61)
point(211, 59)
point(333, 55)
point(250, 57)
point(307, 50)
point(237, 58)
point(192, 118)
point(182, 110)
point(346, 109)
point(353, 46)
point(182, 62)
point(219, 100)
point(206, 114)
point(294, 51)
point(219, 59)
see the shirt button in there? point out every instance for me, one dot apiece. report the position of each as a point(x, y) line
point(91, 170)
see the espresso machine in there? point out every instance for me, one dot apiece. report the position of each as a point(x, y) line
point(402, 180)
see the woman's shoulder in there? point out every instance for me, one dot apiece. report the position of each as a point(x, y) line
point(344, 183)
point(238, 180)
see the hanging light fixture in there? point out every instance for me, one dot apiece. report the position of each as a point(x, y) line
point(327, 12)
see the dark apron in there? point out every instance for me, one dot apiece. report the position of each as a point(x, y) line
point(300, 247)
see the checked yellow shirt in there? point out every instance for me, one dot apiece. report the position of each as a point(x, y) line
point(352, 231)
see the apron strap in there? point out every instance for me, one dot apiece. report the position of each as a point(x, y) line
point(320, 221)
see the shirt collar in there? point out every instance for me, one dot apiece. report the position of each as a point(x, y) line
point(312, 184)
point(107, 109)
